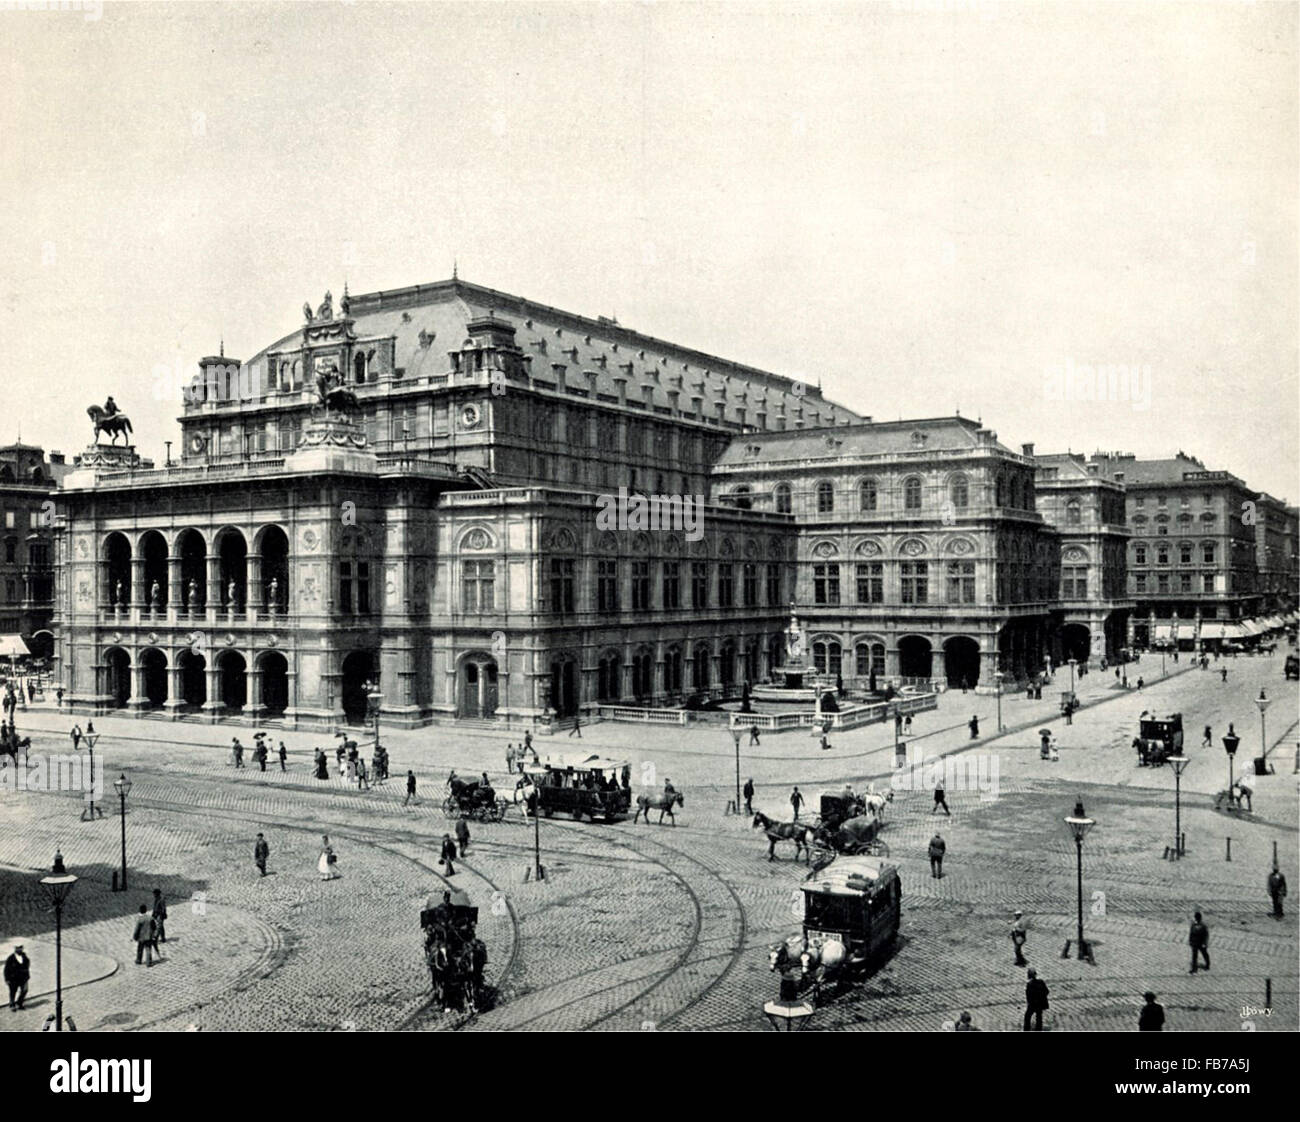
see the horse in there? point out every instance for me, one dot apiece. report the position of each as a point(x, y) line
point(111, 423)
point(796, 832)
point(875, 804)
point(520, 796)
point(662, 803)
point(816, 962)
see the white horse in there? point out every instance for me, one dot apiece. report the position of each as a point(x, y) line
point(875, 804)
point(519, 796)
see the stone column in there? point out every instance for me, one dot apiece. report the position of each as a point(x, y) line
point(137, 702)
point(175, 594)
point(253, 706)
point(213, 705)
point(175, 688)
point(136, 594)
point(213, 600)
point(253, 585)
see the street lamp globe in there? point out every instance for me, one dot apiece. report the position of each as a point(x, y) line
point(1179, 763)
point(122, 786)
point(1079, 822)
point(59, 882)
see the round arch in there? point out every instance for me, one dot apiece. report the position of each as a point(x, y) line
point(356, 673)
point(117, 676)
point(153, 664)
point(478, 684)
point(915, 653)
point(961, 662)
point(275, 682)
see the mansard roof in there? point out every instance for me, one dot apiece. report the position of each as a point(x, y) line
point(864, 440)
point(428, 321)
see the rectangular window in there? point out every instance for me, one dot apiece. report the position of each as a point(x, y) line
point(1162, 582)
point(871, 582)
point(9, 519)
point(773, 583)
point(672, 586)
point(1140, 582)
point(750, 584)
point(1184, 582)
point(345, 586)
point(640, 586)
point(606, 585)
point(699, 584)
point(478, 579)
point(915, 582)
point(1074, 582)
point(826, 584)
point(726, 584)
point(961, 582)
point(1208, 582)
point(33, 519)
point(562, 582)
point(363, 588)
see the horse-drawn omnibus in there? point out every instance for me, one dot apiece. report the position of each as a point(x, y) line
point(1158, 738)
point(582, 785)
point(851, 914)
point(453, 952)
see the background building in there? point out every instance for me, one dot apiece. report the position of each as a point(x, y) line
point(27, 480)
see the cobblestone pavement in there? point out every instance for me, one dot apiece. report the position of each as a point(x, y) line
point(666, 927)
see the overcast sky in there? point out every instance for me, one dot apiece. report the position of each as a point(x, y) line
point(929, 205)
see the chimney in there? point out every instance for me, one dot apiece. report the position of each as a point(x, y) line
point(1027, 450)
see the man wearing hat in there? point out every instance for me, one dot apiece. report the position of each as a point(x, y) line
point(1019, 933)
point(965, 1024)
point(1152, 1017)
point(18, 969)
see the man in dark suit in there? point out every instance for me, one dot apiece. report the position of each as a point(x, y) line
point(1152, 1017)
point(18, 970)
point(142, 936)
point(1035, 1000)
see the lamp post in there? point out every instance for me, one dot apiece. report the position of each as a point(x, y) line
point(373, 698)
point(1230, 743)
point(735, 735)
point(899, 758)
point(91, 737)
point(1069, 705)
point(123, 788)
point(1079, 824)
point(537, 833)
point(1263, 701)
point(57, 885)
point(997, 679)
point(1179, 763)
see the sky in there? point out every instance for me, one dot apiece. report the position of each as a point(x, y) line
point(927, 206)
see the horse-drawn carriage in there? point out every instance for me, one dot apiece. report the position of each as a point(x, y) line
point(1158, 738)
point(589, 785)
point(472, 798)
point(851, 913)
point(453, 952)
point(849, 824)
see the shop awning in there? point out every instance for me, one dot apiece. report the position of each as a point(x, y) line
point(13, 646)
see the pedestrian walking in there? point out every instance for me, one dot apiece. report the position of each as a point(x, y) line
point(261, 851)
point(510, 758)
point(748, 792)
point(1152, 1017)
point(237, 751)
point(825, 742)
point(940, 799)
point(58, 696)
point(796, 801)
point(18, 972)
point(142, 936)
point(577, 726)
point(1019, 935)
point(528, 743)
point(410, 787)
point(974, 728)
point(1198, 938)
point(938, 847)
point(1276, 890)
point(462, 835)
point(753, 736)
point(322, 764)
point(448, 855)
point(363, 782)
point(284, 756)
point(907, 725)
point(1207, 741)
point(1222, 670)
point(1035, 1000)
point(327, 862)
point(1141, 683)
point(259, 753)
point(159, 918)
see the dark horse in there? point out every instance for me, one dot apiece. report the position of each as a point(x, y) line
point(662, 803)
point(796, 832)
point(111, 423)
point(11, 742)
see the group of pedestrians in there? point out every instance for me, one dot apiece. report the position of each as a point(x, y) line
point(150, 930)
point(518, 758)
point(261, 753)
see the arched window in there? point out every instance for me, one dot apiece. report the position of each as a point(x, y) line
point(912, 493)
point(1073, 512)
point(826, 657)
point(1000, 491)
point(825, 497)
point(960, 491)
point(867, 495)
point(741, 497)
point(782, 498)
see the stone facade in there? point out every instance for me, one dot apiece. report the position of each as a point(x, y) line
point(27, 556)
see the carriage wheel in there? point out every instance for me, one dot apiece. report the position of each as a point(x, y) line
point(449, 807)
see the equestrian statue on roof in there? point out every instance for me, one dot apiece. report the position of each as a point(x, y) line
point(110, 419)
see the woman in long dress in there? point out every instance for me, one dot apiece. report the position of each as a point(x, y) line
point(326, 864)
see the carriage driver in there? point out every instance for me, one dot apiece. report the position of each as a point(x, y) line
point(669, 790)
